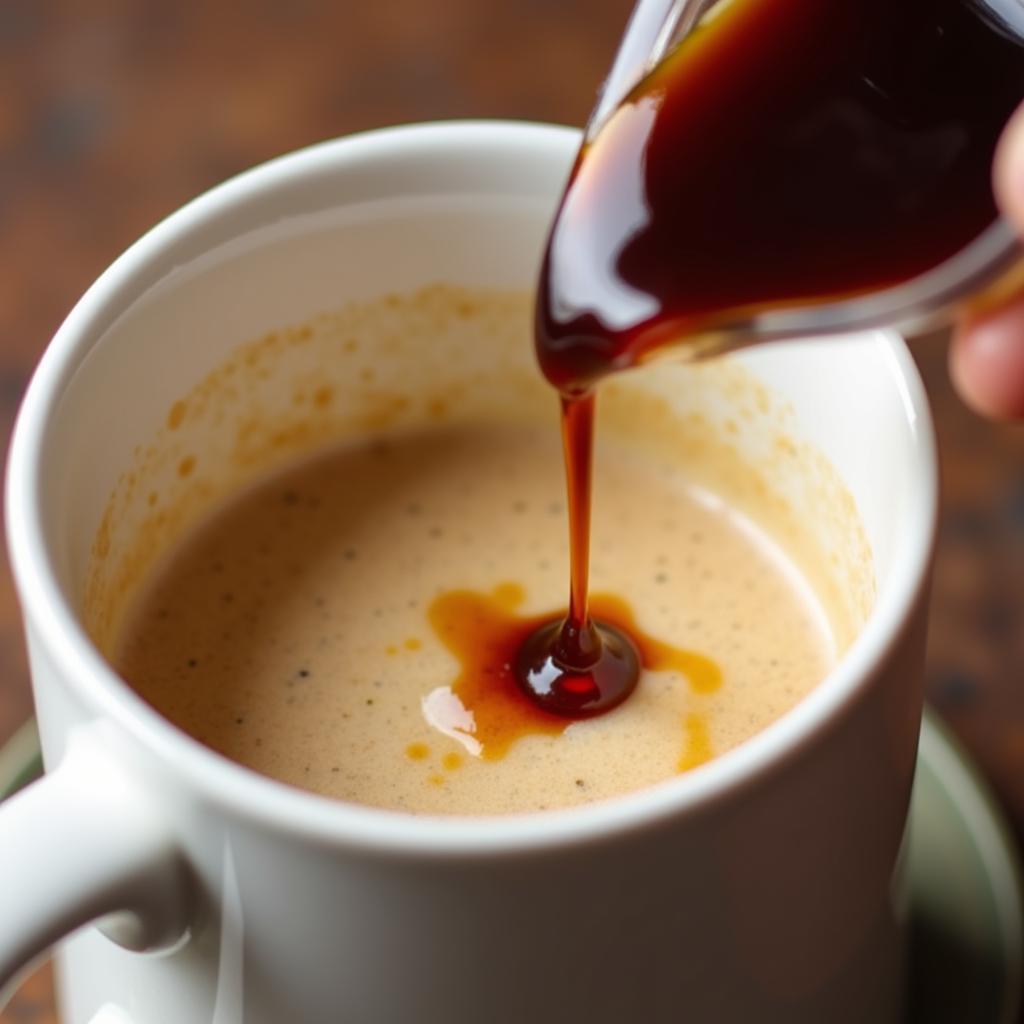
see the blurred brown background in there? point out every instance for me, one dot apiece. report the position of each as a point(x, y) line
point(115, 112)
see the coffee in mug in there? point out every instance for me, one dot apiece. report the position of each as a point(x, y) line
point(350, 624)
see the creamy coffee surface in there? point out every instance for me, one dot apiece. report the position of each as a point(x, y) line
point(295, 632)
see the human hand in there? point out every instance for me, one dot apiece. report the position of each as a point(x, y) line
point(987, 356)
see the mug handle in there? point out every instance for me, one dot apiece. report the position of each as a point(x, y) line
point(84, 843)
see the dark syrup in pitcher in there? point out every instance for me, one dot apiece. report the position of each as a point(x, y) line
point(788, 152)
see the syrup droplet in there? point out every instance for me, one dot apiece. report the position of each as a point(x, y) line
point(597, 676)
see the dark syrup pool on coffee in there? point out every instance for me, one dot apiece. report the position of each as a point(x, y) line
point(496, 646)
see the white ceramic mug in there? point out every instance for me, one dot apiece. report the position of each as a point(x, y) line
point(762, 886)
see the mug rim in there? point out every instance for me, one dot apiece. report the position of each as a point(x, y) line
point(241, 791)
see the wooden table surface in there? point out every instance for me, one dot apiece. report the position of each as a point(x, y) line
point(115, 112)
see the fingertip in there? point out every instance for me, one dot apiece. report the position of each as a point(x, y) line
point(1008, 169)
point(987, 363)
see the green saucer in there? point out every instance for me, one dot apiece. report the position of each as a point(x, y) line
point(965, 892)
point(20, 760)
point(965, 884)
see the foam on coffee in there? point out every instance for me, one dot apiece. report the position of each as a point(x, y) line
point(292, 634)
point(312, 662)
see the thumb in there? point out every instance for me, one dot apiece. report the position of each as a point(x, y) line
point(987, 356)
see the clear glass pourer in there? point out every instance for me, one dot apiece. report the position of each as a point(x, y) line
point(975, 278)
